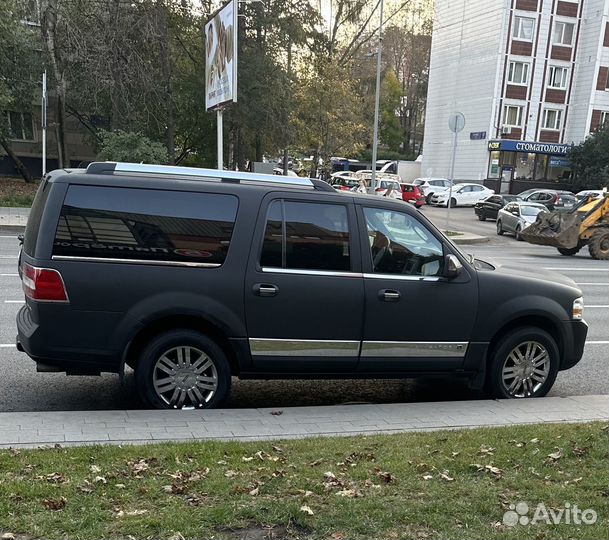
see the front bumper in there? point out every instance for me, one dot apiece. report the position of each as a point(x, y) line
point(574, 341)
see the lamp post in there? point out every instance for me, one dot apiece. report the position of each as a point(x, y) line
point(377, 98)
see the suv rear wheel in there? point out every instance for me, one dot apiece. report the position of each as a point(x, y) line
point(599, 244)
point(183, 369)
point(524, 364)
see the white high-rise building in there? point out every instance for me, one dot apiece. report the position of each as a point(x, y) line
point(531, 78)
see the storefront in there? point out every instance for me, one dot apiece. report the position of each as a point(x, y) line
point(515, 163)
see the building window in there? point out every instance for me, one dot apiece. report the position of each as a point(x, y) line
point(563, 33)
point(559, 77)
point(524, 28)
point(20, 126)
point(512, 116)
point(552, 119)
point(604, 117)
point(518, 73)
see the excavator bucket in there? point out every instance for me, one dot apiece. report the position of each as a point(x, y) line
point(558, 229)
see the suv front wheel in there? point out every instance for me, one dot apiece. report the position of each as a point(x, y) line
point(524, 363)
point(183, 369)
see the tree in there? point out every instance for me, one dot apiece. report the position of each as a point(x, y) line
point(390, 102)
point(590, 160)
point(329, 118)
point(130, 147)
point(20, 71)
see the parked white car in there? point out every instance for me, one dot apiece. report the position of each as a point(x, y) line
point(429, 186)
point(387, 184)
point(596, 193)
point(462, 195)
point(515, 217)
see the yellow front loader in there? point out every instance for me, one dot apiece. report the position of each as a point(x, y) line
point(587, 223)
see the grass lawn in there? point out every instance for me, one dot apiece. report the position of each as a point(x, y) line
point(17, 193)
point(450, 484)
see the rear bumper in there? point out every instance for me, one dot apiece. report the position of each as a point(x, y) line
point(575, 333)
point(32, 340)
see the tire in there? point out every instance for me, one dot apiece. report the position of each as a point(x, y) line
point(518, 234)
point(536, 380)
point(499, 228)
point(482, 216)
point(453, 203)
point(200, 357)
point(569, 252)
point(428, 198)
point(599, 244)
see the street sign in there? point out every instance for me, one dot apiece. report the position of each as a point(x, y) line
point(456, 122)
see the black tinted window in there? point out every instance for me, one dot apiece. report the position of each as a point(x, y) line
point(141, 224)
point(33, 223)
point(310, 236)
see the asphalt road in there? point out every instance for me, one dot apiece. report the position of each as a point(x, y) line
point(22, 389)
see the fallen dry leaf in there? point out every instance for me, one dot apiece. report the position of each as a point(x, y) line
point(56, 478)
point(316, 462)
point(176, 536)
point(254, 491)
point(427, 477)
point(101, 479)
point(55, 505)
point(221, 462)
point(350, 493)
point(247, 459)
point(230, 473)
point(555, 456)
point(445, 476)
point(8, 536)
point(306, 509)
point(95, 469)
point(119, 486)
point(486, 450)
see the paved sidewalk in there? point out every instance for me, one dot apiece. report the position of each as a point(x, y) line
point(13, 217)
point(30, 429)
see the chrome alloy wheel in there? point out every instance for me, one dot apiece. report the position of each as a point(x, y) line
point(525, 369)
point(185, 377)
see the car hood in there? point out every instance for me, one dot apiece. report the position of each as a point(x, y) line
point(529, 272)
point(529, 219)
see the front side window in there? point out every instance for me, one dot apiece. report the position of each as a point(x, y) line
point(512, 116)
point(145, 225)
point(401, 244)
point(523, 28)
point(518, 73)
point(552, 119)
point(306, 236)
point(558, 77)
point(563, 33)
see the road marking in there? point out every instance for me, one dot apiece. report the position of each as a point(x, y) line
point(597, 342)
point(6, 345)
point(577, 269)
point(9, 275)
point(599, 306)
point(14, 301)
point(8, 257)
point(596, 283)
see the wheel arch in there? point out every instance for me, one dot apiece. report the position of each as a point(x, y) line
point(537, 321)
point(179, 322)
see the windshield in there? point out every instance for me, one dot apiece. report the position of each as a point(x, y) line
point(418, 182)
point(529, 210)
point(385, 184)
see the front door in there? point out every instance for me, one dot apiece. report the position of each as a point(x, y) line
point(304, 290)
point(415, 319)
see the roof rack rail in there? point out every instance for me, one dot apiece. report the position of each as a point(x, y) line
point(111, 167)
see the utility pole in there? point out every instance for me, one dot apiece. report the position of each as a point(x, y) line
point(377, 99)
point(44, 123)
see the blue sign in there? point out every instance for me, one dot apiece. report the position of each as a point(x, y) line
point(477, 135)
point(556, 161)
point(507, 145)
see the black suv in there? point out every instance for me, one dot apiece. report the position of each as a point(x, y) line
point(190, 276)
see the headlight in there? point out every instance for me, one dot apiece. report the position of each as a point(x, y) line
point(578, 308)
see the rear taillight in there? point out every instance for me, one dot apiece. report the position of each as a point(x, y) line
point(378, 189)
point(43, 284)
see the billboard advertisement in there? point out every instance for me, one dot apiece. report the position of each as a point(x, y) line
point(221, 56)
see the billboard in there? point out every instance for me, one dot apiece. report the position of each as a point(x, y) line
point(221, 56)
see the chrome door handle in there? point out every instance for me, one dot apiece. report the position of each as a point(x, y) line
point(265, 289)
point(389, 295)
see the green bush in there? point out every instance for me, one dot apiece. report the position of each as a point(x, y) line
point(130, 147)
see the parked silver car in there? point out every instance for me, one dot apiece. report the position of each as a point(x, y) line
point(517, 216)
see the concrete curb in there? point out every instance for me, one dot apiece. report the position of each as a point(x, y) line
point(464, 238)
point(73, 428)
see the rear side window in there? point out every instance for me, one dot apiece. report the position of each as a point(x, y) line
point(306, 236)
point(33, 224)
point(145, 225)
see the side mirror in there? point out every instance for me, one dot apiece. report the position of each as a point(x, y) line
point(452, 266)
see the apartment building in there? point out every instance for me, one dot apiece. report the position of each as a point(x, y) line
point(531, 78)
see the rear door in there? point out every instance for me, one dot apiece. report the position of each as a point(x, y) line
point(415, 319)
point(304, 288)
